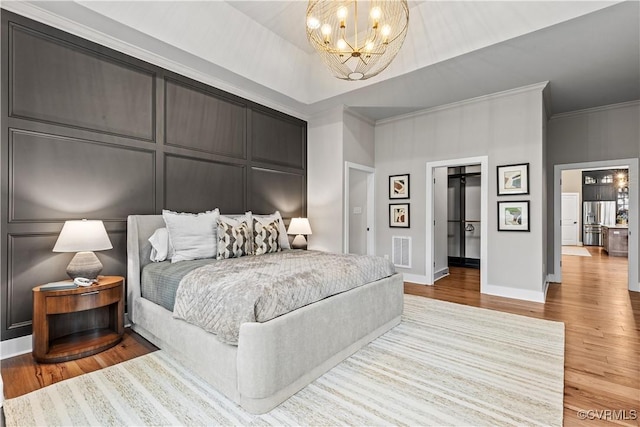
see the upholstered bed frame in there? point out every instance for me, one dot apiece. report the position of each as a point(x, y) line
point(275, 359)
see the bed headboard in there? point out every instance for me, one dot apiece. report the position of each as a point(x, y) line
point(139, 229)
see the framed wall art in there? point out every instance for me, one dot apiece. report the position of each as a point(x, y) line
point(399, 186)
point(513, 179)
point(513, 216)
point(399, 215)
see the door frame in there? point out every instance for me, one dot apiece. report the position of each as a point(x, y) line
point(578, 213)
point(483, 161)
point(371, 174)
point(633, 215)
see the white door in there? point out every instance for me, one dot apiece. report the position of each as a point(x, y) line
point(358, 209)
point(570, 215)
point(357, 212)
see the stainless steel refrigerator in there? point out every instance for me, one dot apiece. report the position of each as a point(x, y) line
point(594, 216)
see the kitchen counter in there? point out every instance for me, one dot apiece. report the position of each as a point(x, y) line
point(615, 239)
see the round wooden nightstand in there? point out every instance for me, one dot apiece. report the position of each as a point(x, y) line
point(73, 323)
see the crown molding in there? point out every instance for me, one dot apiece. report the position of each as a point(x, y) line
point(510, 92)
point(595, 110)
point(359, 116)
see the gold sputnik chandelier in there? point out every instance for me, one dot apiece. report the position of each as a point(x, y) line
point(357, 39)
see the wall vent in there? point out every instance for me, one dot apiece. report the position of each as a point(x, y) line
point(401, 251)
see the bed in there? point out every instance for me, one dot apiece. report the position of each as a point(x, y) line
point(272, 360)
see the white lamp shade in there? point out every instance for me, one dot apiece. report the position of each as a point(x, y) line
point(299, 226)
point(81, 236)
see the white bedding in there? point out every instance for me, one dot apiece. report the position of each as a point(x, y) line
point(221, 296)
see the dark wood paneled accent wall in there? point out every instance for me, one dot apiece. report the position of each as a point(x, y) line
point(88, 132)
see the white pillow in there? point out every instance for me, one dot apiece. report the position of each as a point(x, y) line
point(283, 238)
point(193, 236)
point(161, 248)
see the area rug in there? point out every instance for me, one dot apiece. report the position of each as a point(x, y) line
point(445, 364)
point(575, 250)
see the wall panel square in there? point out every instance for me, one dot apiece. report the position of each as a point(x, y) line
point(57, 178)
point(274, 190)
point(277, 140)
point(196, 185)
point(201, 121)
point(57, 82)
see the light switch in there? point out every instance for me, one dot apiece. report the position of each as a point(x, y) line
point(357, 210)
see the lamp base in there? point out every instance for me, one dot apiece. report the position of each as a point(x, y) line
point(299, 242)
point(84, 264)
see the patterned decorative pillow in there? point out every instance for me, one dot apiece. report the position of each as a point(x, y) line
point(265, 237)
point(233, 240)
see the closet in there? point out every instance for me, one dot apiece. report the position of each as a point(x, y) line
point(463, 216)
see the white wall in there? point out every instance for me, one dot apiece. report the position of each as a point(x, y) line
point(333, 138)
point(324, 180)
point(359, 139)
point(506, 127)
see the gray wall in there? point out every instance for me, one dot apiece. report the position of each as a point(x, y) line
point(508, 128)
point(607, 133)
point(88, 132)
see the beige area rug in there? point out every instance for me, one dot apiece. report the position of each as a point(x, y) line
point(575, 250)
point(445, 364)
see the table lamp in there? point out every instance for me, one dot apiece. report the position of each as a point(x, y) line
point(83, 237)
point(300, 227)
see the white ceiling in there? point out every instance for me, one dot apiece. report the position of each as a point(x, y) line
point(589, 51)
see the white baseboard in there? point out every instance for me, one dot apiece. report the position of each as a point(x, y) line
point(15, 347)
point(416, 278)
point(522, 294)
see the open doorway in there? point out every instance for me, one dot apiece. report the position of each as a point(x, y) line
point(440, 234)
point(358, 209)
point(596, 206)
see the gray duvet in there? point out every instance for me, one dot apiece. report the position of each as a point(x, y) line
point(219, 297)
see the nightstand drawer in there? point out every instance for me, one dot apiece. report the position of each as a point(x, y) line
point(85, 301)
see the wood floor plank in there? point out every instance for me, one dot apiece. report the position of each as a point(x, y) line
point(22, 374)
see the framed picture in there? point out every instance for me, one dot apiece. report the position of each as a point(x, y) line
point(513, 216)
point(399, 186)
point(513, 179)
point(399, 215)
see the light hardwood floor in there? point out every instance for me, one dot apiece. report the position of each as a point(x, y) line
point(602, 330)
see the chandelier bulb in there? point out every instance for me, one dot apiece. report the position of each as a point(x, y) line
point(342, 44)
point(342, 13)
point(313, 23)
point(386, 30)
point(325, 29)
point(376, 13)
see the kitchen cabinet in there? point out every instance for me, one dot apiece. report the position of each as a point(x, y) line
point(615, 240)
point(599, 186)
